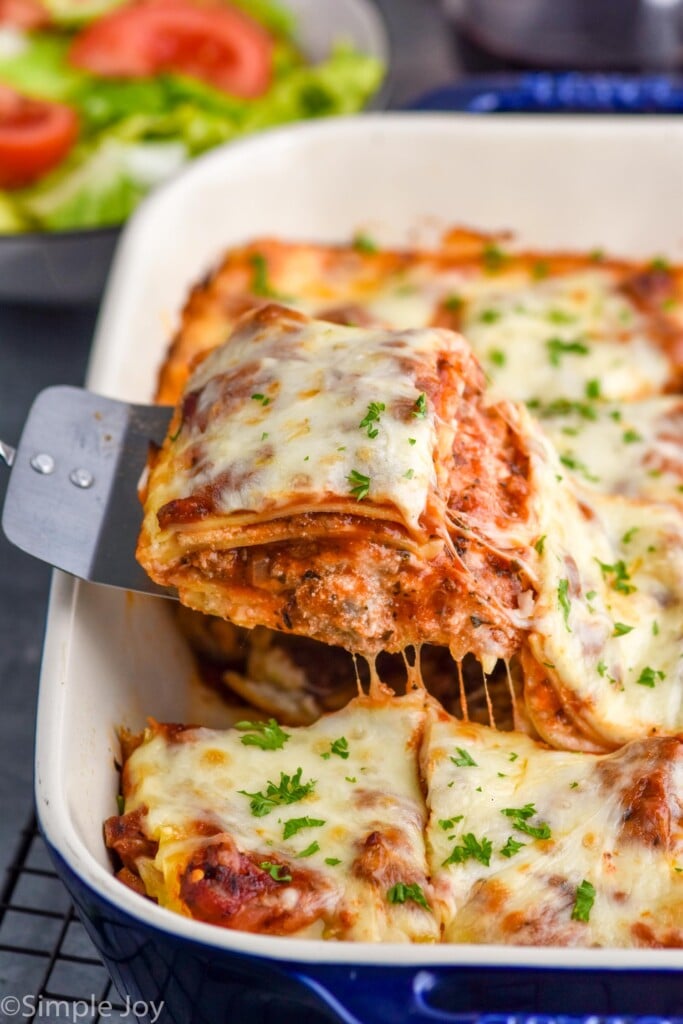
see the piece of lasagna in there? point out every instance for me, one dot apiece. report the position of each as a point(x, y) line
point(354, 485)
point(392, 821)
point(315, 832)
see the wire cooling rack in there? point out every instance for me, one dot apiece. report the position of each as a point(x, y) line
point(46, 957)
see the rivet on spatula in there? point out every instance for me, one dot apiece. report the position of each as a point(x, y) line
point(43, 463)
point(81, 478)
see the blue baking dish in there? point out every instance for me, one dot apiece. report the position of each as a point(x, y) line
point(113, 658)
point(569, 92)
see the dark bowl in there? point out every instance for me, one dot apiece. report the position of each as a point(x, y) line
point(71, 267)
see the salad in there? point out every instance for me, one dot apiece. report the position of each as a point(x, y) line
point(101, 100)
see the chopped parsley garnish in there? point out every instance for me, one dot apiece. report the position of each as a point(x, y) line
point(350, 778)
point(562, 407)
point(655, 628)
point(332, 861)
point(448, 823)
point(511, 847)
point(121, 803)
point(497, 357)
point(564, 602)
point(520, 820)
point(649, 676)
point(540, 270)
point(464, 760)
point(493, 257)
point(629, 535)
point(659, 263)
point(259, 282)
point(289, 790)
point(619, 576)
point(558, 347)
point(571, 462)
point(593, 388)
point(409, 474)
point(420, 410)
point(596, 255)
point(621, 629)
point(295, 825)
point(631, 437)
point(591, 594)
point(266, 735)
point(403, 891)
point(278, 872)
point(360, 484)
point(573, 785)
point(559, 316)
point(363, 243)
point(583, 903)
point(339, 747)
point(471, 849)
point(453, 303)
point(513, 756)
point(264, 435)
point(490, 316)
point(263, 399)
point(540, 544)
point(310, 850)
point(412, 440)
point(601, 668)
point(371, 418)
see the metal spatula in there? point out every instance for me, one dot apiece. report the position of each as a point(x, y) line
point(72, 496)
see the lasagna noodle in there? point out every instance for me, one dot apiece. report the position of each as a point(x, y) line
point(325, 864)
point(530, 846)
point(348, 484)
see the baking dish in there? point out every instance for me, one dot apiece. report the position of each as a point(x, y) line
point(112, 658)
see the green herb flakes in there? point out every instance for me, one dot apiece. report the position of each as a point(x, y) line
point(511, 847)
point(372, 418)
point(278, 872)
point(463, 760)
point(649, 676)
point(471, 849)
point(266, 735)
point(583, 903)
point(564, 601)
point(295, 825)
point(360, 484)
point(289, 790)
point(403, 891)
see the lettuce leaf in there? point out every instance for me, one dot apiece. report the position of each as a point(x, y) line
point(100, 184)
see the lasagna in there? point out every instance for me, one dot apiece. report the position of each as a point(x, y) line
point(350, 484)
point(392, 821)
point(466, 466)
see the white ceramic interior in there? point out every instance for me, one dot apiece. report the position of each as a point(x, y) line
point(112, 658)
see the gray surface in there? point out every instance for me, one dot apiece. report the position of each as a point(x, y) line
point(39, 347)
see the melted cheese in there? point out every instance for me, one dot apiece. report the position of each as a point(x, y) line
point(633, 448)
point(548, 340)
point(609, 614)
point(198, 778)
point(299, 440)
point(529, 897)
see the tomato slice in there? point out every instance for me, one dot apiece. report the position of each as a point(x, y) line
point(35, 136)
point(26, 14)
point(217, 44)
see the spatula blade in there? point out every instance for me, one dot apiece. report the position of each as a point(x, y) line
point(72, 496)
